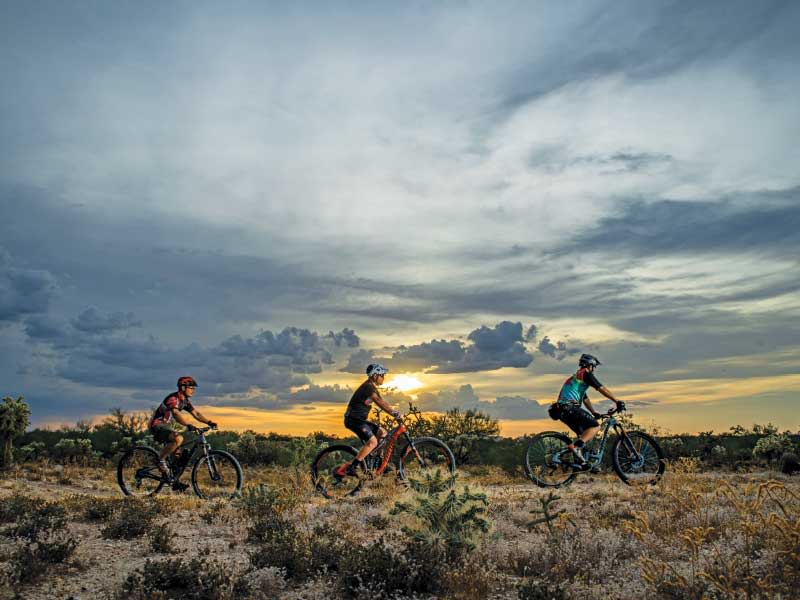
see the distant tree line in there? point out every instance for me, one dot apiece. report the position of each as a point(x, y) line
point(473, 436)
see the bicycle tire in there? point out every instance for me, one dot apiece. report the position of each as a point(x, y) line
point(215, 458)
point(146, 458)
point(625, 466)
point(325, 483)
point(434, 453)
point(538, 459)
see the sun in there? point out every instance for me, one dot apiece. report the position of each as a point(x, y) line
point(404, 383)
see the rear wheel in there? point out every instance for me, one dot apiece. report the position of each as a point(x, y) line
point(548, 460)
point(137, 472)
point(217, 476)
point(638, 459)
point(329, 484)
point(426, 454)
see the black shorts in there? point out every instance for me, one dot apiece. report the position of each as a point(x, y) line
point(363, 429)
point(162, 433)
point(577, 419)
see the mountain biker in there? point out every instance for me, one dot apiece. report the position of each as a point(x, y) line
point(355, 418)
point(573, 395)
point(160, 427)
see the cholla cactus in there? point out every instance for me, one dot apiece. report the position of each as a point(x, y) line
point(447, 521)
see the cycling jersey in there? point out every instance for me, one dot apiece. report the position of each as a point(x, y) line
point(361, 402)
point(175, 401)
point(574, 389)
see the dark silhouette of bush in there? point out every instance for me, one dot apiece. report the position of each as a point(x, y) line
point(790, 464)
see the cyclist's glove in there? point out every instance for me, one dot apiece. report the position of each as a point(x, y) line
point(212, 424)
point(396, 414)
point(620, 406)
point(191, 428)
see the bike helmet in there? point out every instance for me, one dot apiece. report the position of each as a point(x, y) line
point(187, 381)
point(376, 369)
point(587, 360)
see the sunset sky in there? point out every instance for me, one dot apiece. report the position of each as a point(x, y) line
point(268, 196)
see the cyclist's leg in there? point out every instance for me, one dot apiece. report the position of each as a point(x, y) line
point(171, 440)
point(584, 425)
point(366, 433)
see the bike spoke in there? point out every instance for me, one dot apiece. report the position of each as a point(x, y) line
point(138, 472)
point(217, 477)
point(326, 482)
point(426, 456)
point(548, 461)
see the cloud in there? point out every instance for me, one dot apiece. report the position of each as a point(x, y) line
point(346, 337)
point(23, 291)
point(465, 398)
point(92, 320)
point(559, 350)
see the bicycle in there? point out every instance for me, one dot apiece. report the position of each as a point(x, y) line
point(635, 456)
point(416, 455)
point(215, 473)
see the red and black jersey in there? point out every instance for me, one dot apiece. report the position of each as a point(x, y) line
point(175, 401)
point(361, 402)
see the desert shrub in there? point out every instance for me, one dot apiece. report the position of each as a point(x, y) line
point(42, 526)
point(30, 561)
point(133, 519)
point(30, 452)
point(772, 446)
point(262, 584)
point(378, 570)
point(38, 520)
point(536, 589)
point(11, 507)
point(299, 553)
point(179, 579)
point(162, 540)
point(789, 463)
point(378, 521)
point(92, 508)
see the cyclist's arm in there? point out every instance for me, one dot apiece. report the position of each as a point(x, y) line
point(382, 403)
point(196, 414)
point(589, 406)
point(607, 393)
point(176, 414)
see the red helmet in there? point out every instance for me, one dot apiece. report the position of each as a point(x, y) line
point(187, 381)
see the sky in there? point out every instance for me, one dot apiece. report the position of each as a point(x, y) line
point(269, 196)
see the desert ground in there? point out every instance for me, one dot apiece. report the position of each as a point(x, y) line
point(694, 535)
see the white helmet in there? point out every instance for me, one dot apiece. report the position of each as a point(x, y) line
point(376, 369)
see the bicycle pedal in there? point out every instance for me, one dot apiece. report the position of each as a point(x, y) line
point(179, 486)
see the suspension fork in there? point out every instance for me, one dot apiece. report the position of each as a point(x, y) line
point(414, 449)
point(627, 441)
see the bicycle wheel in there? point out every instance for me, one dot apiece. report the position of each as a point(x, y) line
point(137, 472)
point(638, 459)
point(548, 460)
point(328, 484)
point(427, 455)
point(217, 476)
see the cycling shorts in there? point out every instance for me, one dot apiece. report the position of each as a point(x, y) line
point(363, 429)
point(162, 433)
point(577, 419)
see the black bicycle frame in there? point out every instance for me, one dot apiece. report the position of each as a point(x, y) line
point(180, 463)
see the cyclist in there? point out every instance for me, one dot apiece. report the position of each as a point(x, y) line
point(573, 395)
point(355, 418)
point(163, 432)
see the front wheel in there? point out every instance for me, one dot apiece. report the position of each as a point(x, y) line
point(217, 475)
point(548, 461)
point(637, 458)
point(138, 473)
point(327, 481)
point(425, 454)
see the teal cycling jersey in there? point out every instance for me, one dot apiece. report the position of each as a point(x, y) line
point(574, 388)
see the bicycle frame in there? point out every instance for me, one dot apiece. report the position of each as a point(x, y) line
point(389, 443)
point(186, 455)
point(597, 457)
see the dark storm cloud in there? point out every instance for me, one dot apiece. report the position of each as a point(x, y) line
point(346, 337)
point(680, 227)
point(93, 321)
point(649, 41)
point(23, 291)
point(465, 398)
point(490, 349)
point(559, 350)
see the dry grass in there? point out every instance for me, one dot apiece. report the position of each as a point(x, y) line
point(696, 535)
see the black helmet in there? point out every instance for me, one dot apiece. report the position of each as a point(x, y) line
point(587, 360)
